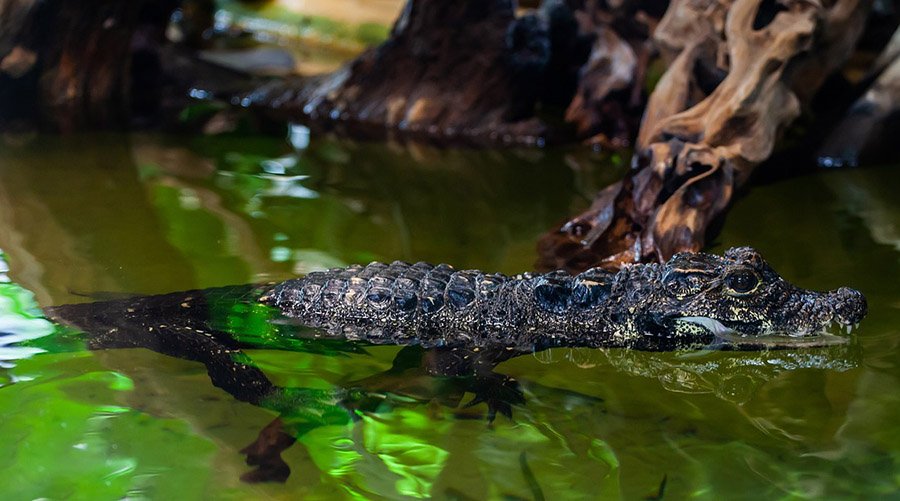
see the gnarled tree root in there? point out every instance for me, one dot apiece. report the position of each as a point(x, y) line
point(450, 70)
point(473, 71)
point(740, 71)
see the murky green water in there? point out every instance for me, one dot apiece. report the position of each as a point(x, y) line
point(94, 215)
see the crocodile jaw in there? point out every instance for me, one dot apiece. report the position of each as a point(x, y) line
point(770, 340)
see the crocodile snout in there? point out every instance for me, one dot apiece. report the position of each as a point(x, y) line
point(849, 306)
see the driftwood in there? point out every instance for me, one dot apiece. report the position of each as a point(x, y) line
point(474, 72)
point(70, 65)
point(449, 70)
point(606, 106)
point(470, 71)
point(604, 109)
point(69, 62)
point(739, 74)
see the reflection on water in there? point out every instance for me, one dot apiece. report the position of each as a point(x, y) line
point(873, 202)
point(93, 217)
point(20, 320)
point(206, 213)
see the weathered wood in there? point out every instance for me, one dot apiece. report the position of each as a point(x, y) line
point(473, 71)
point(609, 98)
point(740, 71)
point(67, 64)
point(601, 109)
point(467, 69)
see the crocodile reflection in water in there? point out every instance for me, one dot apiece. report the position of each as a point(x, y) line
point(214, 326)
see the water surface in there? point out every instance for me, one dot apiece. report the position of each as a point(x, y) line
point(97, 216)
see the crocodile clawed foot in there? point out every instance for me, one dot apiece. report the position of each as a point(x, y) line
point(277, 471)
point(499, 392)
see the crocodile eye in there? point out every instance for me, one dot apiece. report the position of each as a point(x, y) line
point(742, 282)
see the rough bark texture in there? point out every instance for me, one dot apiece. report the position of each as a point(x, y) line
point(739, 73)
point(70, 65)
point(472, 71)
point(449, 70)
point(69, 62)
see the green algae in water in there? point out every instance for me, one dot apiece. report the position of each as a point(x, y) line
point(70, 438)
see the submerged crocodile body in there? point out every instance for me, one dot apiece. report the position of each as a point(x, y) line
point(692, 301)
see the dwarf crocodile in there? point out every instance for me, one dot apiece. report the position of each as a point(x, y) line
point(694, 300)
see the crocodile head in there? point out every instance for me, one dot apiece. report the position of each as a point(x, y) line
point(738, 300)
